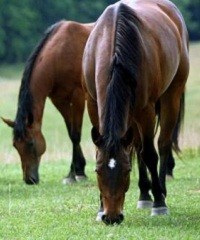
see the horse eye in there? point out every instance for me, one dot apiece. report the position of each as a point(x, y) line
point(30, 143)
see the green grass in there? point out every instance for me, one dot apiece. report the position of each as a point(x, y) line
point(55, 211)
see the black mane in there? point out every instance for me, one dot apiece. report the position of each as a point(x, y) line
point(123, 75)
point(24, 114)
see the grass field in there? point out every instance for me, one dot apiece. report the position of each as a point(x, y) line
point(54, 211)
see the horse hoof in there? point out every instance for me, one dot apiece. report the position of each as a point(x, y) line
point(144, 204)
point(80, 178)
point(68, 181)
point(159, 211)
point(99, 216)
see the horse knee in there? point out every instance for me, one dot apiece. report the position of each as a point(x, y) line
point(76, 138)
point(164, 146)
point(149, 156)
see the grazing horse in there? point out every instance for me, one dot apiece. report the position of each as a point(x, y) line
point(136, 58)
point(53, 70)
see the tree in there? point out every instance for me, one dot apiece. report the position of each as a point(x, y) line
point(23, 21)
point(17, 30)
point(191, 13)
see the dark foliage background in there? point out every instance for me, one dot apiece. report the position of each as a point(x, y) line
point(22, 22)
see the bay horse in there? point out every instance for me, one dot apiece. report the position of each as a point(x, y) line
point(136, 58)
point(54, 70)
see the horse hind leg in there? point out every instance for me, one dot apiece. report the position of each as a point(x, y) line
point(172, 113)
point(170, 160)
point(170, 166)
point(170, 107)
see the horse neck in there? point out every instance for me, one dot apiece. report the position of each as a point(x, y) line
point(38, 110)
point(39, 96)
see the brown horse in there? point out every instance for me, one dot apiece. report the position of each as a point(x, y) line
point(53, 70)
point(135, 59)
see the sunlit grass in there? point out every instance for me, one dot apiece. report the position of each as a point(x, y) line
point(54, 211)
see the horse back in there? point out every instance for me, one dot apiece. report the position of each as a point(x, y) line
point(98, 54)
point(165, 40)
point(58, 65)
point(163, 44)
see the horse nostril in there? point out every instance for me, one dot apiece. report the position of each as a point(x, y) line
point(106, 220)
point(121, 218)
point(103, 217)
point(111, 221)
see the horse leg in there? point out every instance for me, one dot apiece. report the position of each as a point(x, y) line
point(74, 128)
point(172, 113)
point(145, 200)
point(78, 111)
point(175, 136)
point(170, 165)
point(170, 104)
point(93, 114)
point(150, 158)
point(144, 183)
point(170, 160)
point(73, 115)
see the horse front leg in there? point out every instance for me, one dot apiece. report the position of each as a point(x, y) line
point(72, 112)
point(74, 125)
point(93, 114)
point(150, 158)
point(144, 183)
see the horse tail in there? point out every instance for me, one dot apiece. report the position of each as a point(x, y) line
point(124, 73)
point(24, 114)
point(179, 124)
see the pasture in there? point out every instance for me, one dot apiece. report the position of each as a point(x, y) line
point(51, 210)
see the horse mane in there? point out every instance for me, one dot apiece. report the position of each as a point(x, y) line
point(24, 116)
point(123, 75)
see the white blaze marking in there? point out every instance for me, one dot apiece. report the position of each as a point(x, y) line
point(112, 163)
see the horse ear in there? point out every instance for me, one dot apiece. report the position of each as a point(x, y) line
point(96, 137)
point(9, 122)
point(128, 137)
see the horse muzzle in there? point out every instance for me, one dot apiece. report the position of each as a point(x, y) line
point(31, 180)
point(31, 177)
point(108, 220)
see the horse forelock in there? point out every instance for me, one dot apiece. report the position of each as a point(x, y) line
point(123, 75)
point(24, 114)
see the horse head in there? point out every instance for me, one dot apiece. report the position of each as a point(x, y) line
point(30, 146)
point(113, 175)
